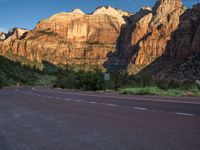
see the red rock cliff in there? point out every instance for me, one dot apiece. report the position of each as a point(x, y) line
point(181, 59)
point(73, 38)
point(145, 37)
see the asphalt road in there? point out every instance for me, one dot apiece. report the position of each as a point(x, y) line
point(49, 119)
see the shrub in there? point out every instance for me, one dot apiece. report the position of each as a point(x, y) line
point(145, 81)
point(67, 81)
point(3, 79)
point(92, 81)
point(188, 85)
point(13, 72)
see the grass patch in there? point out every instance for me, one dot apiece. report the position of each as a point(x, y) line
point(157, 91)
point(141, 91)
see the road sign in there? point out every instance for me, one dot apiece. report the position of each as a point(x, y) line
point(198, 82)
point(107, 76)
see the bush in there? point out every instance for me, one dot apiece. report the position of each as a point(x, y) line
point(13, 72)
point(188, 85)
point(91, 80)
point(3, 79)
point(145, 81)
point(67, 81)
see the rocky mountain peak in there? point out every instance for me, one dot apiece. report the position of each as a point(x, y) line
point(146, 8)
point(140, 14)
point(78, 11)
point(16, 33)
point(108, 10)
point(163, 7)
point(145, 38)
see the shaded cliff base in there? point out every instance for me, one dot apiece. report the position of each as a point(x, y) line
point(177, 70)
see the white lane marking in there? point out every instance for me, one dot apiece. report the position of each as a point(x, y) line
point(184, 114)
point(77, 100)
point(92, 102)
point(112, 105)
point(128, 98)
point(140, 108)
point(136, 108)
point(67, 99)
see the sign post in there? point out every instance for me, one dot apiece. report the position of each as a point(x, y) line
point(107, 78)
point(197, 82)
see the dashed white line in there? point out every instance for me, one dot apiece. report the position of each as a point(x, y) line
point(92, 102)
point(105, 104)
point(67, 99)
point(140, 108)
point(112, 105)
point(128, 98)
point(184, 114)
point(77, 100)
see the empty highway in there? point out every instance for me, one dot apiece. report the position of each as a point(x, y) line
point(36, 118)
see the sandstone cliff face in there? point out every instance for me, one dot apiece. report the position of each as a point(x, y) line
point(145, 37)
point(183, 50)
point(73, 38)
point(101, 26)
point(120, 39)
point(13, 34)
point(186, 40)
point(181, 59)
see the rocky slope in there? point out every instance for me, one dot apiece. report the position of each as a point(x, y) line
point(73, 38)
point(2, 36)
point(185, 41)
point(145, 36)
point(183, 50)
point(181, 59)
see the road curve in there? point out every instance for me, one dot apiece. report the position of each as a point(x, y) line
point(52, 119)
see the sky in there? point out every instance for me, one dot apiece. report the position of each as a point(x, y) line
point(27, 13)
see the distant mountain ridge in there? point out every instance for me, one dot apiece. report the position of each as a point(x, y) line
point(72, 38)
point(110, 37)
